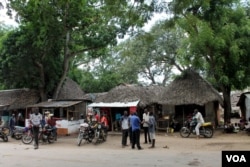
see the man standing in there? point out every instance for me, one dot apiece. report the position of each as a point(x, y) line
point(200, 121)
point(145, 118)
point(135, 123)
point(125, 128)
point(151, 128)
point(35, 120)
point(12, 124)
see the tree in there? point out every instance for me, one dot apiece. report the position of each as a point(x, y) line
point(217, 42)
point(153, 54)
point(27, 65)
point(79, 27)
point(100, 74)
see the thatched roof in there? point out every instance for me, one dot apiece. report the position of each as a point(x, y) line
point(93, 96)
point(18, 98)
point(70, 90)
point(190, 88)
point(130, 93)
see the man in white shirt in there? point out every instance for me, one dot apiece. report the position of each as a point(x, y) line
point(200, 121)
point(35, 120)
point(145, 123)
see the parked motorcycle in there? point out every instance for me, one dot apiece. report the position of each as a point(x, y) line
point(86, 132)
point(3, 135)
point(100, 133)
point(18, 132)
point(206, 129)
point(45, 134)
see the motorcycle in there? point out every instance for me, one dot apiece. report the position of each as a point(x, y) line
point(18, 132)
point(46, 134)
point(86, 132)
point(100, 133)
point(206, 129)
point(3, 135)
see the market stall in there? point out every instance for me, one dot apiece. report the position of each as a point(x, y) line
point(68, 114)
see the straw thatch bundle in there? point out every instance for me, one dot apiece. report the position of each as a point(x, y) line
point(190, 88)
point(130, 93)
point(18, 98)
point(70, 90)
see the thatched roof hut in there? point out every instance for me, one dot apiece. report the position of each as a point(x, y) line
point(18, 98)
point(129, 93)
point(190, 88)
point(70, 90)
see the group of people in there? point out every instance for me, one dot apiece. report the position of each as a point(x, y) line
point(96, 118)
point(131, 127)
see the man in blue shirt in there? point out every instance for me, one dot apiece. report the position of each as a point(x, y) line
point(136, 125)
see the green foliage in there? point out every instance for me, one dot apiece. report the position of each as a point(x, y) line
point(61, 31)
point(217, 41)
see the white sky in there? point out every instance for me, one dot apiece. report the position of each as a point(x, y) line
point(4, 19)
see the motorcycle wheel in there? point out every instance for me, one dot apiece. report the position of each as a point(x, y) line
point(5, 138)
point(51, 138)
point(27, 139)
point(208, 133)
point(185, 132)
point(104, 135)
point(18, 137)
point(6, 130)
point(97, 137)
point(79, 139)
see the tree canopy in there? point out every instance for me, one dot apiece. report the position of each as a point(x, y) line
point(217, 41)
point(62, 30)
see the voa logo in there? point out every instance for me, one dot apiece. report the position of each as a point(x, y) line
point(236, 158)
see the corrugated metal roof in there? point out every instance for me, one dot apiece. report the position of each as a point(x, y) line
point(115, 104)
point(55, 104)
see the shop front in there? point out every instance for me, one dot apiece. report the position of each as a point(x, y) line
point(68, 114)
point(114, 111)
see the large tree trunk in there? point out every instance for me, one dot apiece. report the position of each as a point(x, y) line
point(226, 90)
point(42, 81)
point(62, 79)
point(67, 57)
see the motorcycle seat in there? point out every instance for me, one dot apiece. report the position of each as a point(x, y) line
point(207, 124)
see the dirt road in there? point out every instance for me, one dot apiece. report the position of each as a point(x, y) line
point(181, 152)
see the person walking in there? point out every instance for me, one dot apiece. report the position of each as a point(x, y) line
point(151, 128)
point(145, 118)
point(135, 123)
point(125, 128)
point(200, 121)
point(35, 120)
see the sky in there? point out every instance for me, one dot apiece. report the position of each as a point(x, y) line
point(6, 19)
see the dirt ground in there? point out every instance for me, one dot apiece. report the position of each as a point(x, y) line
point(219, 142)
point(180, 152)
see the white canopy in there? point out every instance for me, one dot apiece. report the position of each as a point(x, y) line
point(115, 104)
